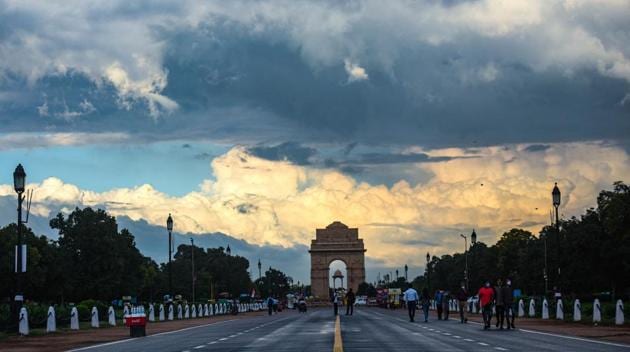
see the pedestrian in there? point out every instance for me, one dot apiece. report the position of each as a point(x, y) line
point(270, 305)
point(510, 304)
point(438, 303)
point(446, 296)
point(350, 298)
point(335, 300)
point(462, 299)
point(410, 297)
point(426, 302)
point(486, 295)
point(499, 300)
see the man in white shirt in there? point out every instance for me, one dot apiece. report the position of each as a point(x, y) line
point(411, 298)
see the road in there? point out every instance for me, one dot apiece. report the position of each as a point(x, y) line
point(370, 329)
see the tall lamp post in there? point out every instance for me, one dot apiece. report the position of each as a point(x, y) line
point(169, 228)
point(19, 181)
point(228, 251)
point(259, 270)
point(465, 258)
point(428, 272)
point(555, 196)
point(192, 262)
point(473, 241)
point(396, 274)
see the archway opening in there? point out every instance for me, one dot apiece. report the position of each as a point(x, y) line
point(338, 275)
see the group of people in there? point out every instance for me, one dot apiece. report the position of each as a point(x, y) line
point(350, 299)
point(500, 296)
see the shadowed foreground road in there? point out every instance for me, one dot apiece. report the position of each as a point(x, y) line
point(370, 329)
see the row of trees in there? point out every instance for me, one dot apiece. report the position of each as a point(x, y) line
point(592, 251)
point(92, 259)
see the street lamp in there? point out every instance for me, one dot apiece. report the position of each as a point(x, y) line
point(169, 228)
point(19, 181)
point(259, 268)
point(396, 274)
point(228, 250)
point(473, 242)
point(465, 258)
point(428, 272)
point(192, 262)
point(406, 271)
point(555, 196)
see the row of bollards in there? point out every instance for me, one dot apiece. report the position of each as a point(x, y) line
point(185, 312)
point(577, 310)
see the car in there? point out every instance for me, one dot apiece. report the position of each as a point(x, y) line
point(360, 301)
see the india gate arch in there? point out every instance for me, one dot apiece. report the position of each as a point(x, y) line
point(336, 242)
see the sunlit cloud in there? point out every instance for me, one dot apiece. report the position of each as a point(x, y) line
point(277, 202)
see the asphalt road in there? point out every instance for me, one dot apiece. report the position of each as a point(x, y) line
point(370, 329)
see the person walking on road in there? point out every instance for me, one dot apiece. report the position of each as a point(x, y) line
point(509, 304)
point(439, 294)
point(499, 303)
point(410, 296)
point(462, 299)
point(335, 300)
point(426, 302)
point(486, 295)
point(350, 298)
point(446, 297)
point(270, 305)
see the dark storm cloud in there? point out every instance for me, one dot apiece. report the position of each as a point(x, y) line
point(289, 151)
point(537, 148)
point(243, 86)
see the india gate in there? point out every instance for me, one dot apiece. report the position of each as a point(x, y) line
point(336, 242)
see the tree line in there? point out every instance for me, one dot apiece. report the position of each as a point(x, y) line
point(93, 259)
point(592, 252)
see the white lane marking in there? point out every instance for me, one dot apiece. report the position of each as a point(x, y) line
point(223, 339)
point(482, 343)
point(446, 333)
point(469, 340)
point(198, 347)
point(231, 336)
point(211, 343)
point(500, 348)
point(457, 337)
point(575, 338)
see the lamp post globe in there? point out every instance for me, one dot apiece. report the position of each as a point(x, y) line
point(473, 237)
point(19, 179)
point(169, 223)
point(228, 250)
point(555, 195)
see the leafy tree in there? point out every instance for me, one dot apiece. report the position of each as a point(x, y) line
point(98, 261)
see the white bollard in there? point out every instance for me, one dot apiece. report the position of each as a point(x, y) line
point(186, 312)
point(180, 314)
point(170, 312)
point(521, 308)
point(125, 310)
point(111, 316)
point(206, 311)
point(532, 308)
point(545, 309)
point(23, 329)
point(200, 310)
point(193, 313)
point(559, 310)
point(94, 318)
point(74, 319)
point(151, 312)
point(474, 307)
point(212, 309)
point(161, 313)
point(577, 310)
point(619, 313)
point(597, 312)
point(494, 310)
point(51, 321)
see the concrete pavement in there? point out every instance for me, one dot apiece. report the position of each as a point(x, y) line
point(370, 329)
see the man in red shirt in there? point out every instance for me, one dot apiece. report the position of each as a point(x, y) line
point(486, 296)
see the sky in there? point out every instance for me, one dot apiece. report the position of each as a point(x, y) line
point(256, 122)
